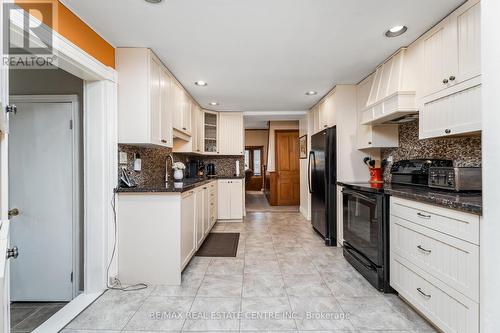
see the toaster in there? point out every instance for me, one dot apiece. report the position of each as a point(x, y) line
point(456, 179)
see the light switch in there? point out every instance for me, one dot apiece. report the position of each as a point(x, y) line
point(123, 158)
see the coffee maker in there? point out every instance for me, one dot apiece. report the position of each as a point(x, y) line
point(195, 169)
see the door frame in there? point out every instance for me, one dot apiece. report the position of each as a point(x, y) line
point(76, 199)
point(100, 165)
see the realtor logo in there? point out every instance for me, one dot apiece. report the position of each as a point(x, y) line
point(28, 36)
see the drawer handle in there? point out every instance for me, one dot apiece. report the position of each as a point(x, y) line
point(421, 248)
point(424, 216)
point(423, 294)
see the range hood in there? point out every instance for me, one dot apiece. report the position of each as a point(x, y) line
point(392, 97)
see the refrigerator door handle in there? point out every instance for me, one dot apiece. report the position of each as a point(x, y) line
point(311, 154)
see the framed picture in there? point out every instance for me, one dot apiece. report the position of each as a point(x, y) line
point(303, 147)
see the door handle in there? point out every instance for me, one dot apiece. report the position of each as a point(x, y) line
point(12, 253)
point(423, 294)
point(311, 154)
point(13, 212)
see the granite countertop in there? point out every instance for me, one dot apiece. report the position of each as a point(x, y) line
point(470, 202)
point(173, 187)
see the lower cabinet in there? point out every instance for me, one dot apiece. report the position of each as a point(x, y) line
point(435, 263)
point(199, 215)
point(188, 231)
point(230, 199)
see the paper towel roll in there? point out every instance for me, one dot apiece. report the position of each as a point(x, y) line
point(237, 168)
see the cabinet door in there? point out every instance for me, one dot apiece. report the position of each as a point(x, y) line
point(199, 129)
point(231, 133)
point(186, 113)
point(188, 230)
point(210, 132)
point(465, 34)
point(236, 195)
point(437, 50)
point(166, 115)
point(177, 106)
point(328, 112)
point(155, 100)
point(224, 199)
point(206, 210)
point(199, 216)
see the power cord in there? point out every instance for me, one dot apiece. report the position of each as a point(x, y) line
point(117, 285)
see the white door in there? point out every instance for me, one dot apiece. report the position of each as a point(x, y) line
point(42, 186)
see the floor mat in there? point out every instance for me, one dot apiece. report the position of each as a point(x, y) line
point(219, 245)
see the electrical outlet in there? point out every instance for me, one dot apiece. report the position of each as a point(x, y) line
point(113, 280)
point(390, 159)
point(123, 158)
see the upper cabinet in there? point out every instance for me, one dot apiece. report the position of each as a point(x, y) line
point(451, 84)
point(210, 127)
point(324, 113)
point(143, 95)
point(231, 133)
point(392, 95)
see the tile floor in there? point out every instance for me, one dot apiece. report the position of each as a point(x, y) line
point(256, 201)
point(25, 317)
point(283, 279)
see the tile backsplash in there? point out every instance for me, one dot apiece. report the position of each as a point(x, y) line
point(464, 151)
point(154, 158)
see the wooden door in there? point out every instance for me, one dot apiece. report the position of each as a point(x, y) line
point(287, 167)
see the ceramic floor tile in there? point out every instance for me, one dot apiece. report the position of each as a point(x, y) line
point(36, 318)
point(305, 285)
point(189, 286)
point(267, 313)
point(297, 266)
point(407, 312)
point(226, 266)
point(259, 266)
point(262, 285)
point(214, 314)
point(349, 284)
point(161, 313)
point(221, 286)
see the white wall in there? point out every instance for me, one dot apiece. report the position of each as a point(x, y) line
point(273, 126)
point(305, 196)
point(490, 226)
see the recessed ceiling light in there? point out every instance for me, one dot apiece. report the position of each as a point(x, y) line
point(214, 103)
point(153, 1)
point(201, 83)
point(311, 93)
point(396, 31)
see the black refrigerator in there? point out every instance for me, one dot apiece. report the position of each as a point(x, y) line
point(322, 171)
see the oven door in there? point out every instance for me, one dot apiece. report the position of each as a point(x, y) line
point(363, 224)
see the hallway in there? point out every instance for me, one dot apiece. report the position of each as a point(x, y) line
point(283, 278)
point(256, 201)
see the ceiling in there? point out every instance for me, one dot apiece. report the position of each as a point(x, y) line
point(261, 119)
point(261, 55)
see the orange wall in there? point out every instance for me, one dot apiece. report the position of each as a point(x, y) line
point(74, 29)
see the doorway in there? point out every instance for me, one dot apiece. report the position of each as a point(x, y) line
point(287, 168)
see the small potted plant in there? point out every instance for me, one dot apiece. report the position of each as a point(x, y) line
point(178, 170)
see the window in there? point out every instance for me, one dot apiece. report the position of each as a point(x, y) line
point(253, 159)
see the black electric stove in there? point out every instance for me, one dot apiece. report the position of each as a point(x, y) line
point(366, 219)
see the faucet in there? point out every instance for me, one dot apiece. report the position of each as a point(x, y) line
point(166, 165)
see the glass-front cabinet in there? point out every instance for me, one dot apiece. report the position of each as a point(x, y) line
point(210, 133)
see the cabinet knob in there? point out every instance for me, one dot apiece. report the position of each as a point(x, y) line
point(452, 78)
point(445, 81)
point(447, 131)
point(163, 140)
point(369, 142)
point(184, 128)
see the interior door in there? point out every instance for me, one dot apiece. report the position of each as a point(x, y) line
point(41, 176)
point(287, 167)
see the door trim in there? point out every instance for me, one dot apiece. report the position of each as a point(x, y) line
point(76, 151)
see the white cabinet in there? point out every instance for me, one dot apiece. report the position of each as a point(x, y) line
point(451, 102)
point(230, 199)
point(231, 133)
point(199, 200)
point(188, 229)
point(435, 262)
point(143, 96)
point(213, 203)
point(182, 112)
point(210, 138)
point(372, 136)
point(175, 105)
point(324, 113)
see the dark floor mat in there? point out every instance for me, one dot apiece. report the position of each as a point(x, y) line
point(223, 244)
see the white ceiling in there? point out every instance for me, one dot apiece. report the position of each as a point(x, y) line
point(261, 119)
point(263, 54)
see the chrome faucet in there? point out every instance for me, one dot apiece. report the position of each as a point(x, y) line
point(166, 165)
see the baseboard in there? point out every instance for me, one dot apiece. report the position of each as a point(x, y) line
point(232, 221)
point(64, 316)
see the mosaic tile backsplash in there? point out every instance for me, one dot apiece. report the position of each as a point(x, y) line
point(153, 163)
point(464, 151)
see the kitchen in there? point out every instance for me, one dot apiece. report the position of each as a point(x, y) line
point(392, 181)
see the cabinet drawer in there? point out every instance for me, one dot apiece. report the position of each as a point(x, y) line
point(451, 260)
point(451, 222)
point(450, 311)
